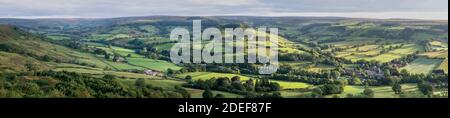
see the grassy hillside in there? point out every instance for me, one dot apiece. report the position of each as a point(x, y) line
point(315, 53)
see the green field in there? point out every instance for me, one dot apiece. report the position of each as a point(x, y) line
point(100, 72)
point(374, 52)
point(444, 65)
point(320, 67)
point(379, 91)
point(436, 54)
point(153, 64)
point(383, 91)
point(438, 45)
point(166, 46)
point(123, 66)
point(293, 93)
point(387, 92)
point(135, 62)
point(125, 52)
point(290, 50)
point(422, 65)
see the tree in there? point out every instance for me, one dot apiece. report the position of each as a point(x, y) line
point(109, 77)
point(397, 88)
point(223, 82)
point(46, 58)
point(208, 94)
point(342, 82)
point(30, 89)
point(249, 84)
point(100, 52)
point(275, 86)
point(369, 93)
point(387, 73)
point(183, 92)
point(329, 89)
point(170, 71)
point(426, 89)
point(336, 74)
point(140, 83)
point(236, 79)
point(107, 56)
point(189, 78)
point(355, 81)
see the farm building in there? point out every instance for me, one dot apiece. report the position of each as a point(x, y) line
point(152, 73)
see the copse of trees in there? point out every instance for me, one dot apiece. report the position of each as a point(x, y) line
point(329, 89)
point(265, 95)
point(208, 94)
point(397, 88)
point(333, 88)
point(235, 85)
point(426, 88)
point(264, 85)
point(296, 57)
point(369, 93)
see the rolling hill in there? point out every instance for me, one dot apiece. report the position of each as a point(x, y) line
point(314, 52)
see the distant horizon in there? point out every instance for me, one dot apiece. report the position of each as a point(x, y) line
point(373, 9)
point(353, 15)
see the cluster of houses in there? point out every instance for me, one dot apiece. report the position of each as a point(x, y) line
point(373, 72)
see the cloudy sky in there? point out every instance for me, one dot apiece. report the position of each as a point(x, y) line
point(418, 9)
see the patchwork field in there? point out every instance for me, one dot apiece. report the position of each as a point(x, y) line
point(313, 47)
point(158, 65)
point(422, 65)
point(125, 52)
point(379, 53)
point(438, 45)
point(436, 54)
point(444, 65)
point(123, 66)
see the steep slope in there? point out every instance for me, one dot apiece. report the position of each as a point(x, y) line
point(21, 51)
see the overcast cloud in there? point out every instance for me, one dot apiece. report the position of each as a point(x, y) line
point(421, 9)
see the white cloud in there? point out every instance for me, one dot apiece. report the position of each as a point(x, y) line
point(225, 2)
point(115, 8)
point(376, 15)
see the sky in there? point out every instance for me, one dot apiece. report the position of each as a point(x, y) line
point(382, 9)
